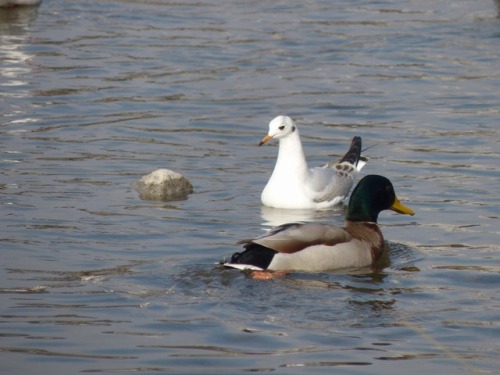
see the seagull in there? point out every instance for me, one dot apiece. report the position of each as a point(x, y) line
point(293, 185)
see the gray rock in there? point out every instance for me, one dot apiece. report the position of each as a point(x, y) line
point(163, 185)
point(16, 3)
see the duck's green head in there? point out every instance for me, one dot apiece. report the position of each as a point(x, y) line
point(372, 195)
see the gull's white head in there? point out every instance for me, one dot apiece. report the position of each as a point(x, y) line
point(279, 127)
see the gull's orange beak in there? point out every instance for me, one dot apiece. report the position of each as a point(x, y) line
point(265, 139)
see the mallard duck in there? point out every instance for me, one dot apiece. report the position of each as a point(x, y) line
point(318, 247)
point(295, 186)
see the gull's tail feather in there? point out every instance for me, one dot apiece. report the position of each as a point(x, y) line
point(354, 153)
point(361, 162)
point(353, 156)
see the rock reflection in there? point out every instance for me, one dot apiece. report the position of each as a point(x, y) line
point(15, 61)
point(14, 35)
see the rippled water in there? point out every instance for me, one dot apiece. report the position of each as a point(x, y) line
point(95, 94)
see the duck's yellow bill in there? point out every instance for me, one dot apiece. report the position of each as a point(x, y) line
point(265, 139)
point(400, 208)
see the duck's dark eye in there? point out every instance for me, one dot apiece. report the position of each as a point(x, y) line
point(281, 127)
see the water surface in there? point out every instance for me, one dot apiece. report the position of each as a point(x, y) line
point(96, 94)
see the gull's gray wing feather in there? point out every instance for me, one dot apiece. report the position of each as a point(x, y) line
point(341, 179)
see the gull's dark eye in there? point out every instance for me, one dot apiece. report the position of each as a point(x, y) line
point(281, 127)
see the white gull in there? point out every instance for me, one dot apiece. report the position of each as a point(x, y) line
point(293, 185)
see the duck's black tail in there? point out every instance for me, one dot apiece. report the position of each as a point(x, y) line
point(254, 255)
